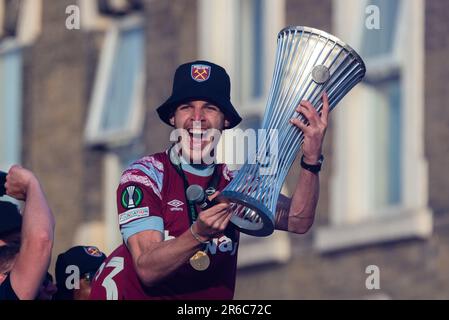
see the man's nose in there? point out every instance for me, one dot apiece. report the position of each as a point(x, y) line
point(198, 114)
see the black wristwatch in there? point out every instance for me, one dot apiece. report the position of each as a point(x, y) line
point(314, 168)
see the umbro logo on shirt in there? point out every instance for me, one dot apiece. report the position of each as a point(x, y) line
point(175, 205)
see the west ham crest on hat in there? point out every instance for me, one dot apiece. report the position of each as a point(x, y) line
point(200, 72)
point(193, 81)
point(93, 251)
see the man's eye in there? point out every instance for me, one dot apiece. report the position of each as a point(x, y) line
point(184, 107)
point(214, 108)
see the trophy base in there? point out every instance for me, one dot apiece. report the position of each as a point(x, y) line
point(255, 220)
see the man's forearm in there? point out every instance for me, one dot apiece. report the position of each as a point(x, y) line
point(304, 202)
point(165, 257)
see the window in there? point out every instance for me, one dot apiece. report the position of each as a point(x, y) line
point(116, 107)
point(379, 178)
point(381, 50)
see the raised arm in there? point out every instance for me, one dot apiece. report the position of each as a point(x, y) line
point(297, 214)
point(37, 233)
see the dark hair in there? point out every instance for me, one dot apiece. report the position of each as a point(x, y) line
point(48, 279)
point(11, 220)
point(2, 183)
point(7, 254)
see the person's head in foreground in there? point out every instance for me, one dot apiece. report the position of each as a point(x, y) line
point(75, 269)
point(10, 223)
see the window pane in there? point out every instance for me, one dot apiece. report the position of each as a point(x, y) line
point(380, 41)
point(392, 90)
point(387, 144)
point(126, 68)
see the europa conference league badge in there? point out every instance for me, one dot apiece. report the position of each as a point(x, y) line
point(131, 197)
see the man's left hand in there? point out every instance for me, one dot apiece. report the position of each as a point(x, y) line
point(314, 130)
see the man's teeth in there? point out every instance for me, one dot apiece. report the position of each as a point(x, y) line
point(196, 131)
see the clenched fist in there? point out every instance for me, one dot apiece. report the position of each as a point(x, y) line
point(18, 182)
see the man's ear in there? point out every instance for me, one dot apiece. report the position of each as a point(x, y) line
point(227, 124)
point(172, 120)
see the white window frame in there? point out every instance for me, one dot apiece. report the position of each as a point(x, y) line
point(350, 222)
point(94, 135)
point(217, 43)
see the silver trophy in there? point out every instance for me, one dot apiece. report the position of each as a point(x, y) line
point(308, 62)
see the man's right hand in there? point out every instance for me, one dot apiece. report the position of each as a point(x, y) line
point(212, 221)
point(18, 182)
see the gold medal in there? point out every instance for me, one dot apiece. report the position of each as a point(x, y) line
point(200, 261)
